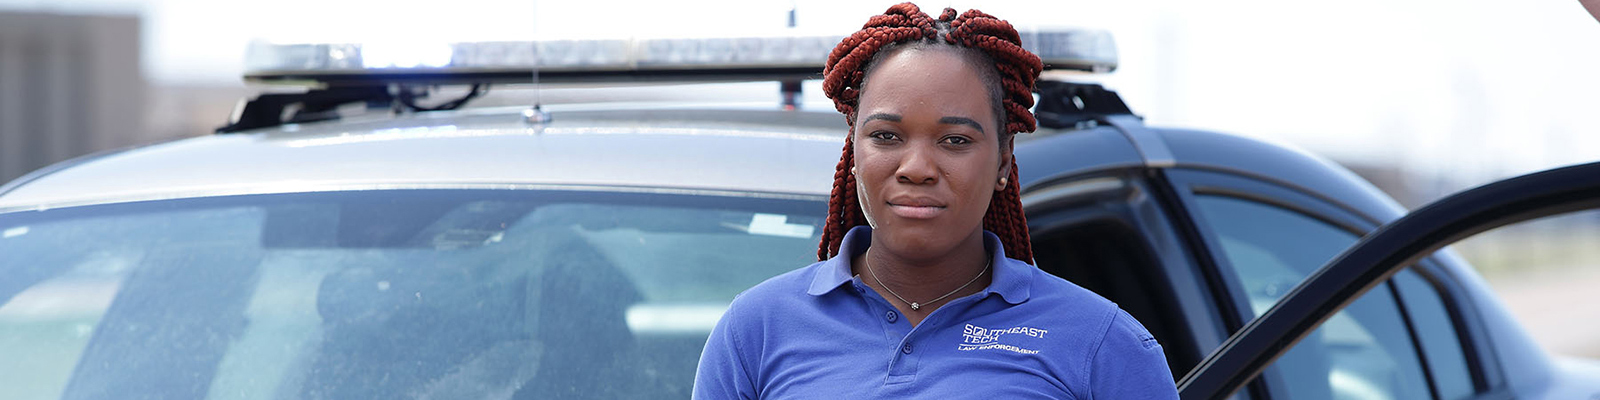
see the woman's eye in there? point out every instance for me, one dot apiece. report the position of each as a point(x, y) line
point(882, 135)
point(957, 140)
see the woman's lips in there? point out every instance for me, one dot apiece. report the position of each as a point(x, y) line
point(915, 212)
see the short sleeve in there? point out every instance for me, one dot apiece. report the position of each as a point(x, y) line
point(1129, 364)
point(723, 373)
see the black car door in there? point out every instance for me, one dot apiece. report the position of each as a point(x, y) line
point(1380, 255)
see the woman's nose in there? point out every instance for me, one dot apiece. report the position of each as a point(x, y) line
point(917, 168)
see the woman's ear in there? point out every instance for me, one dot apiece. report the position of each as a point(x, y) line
point(1007, 162)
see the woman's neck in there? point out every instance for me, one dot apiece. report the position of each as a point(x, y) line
point(923, 278)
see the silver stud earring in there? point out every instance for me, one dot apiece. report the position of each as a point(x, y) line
point(852, 170)
point(1003, 182)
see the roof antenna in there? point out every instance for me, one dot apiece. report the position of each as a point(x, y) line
point(536, 115)
point(790, 88)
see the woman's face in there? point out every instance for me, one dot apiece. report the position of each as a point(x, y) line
point(927, 151)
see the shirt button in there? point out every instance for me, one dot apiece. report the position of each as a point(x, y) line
point(906, 348)
point(891, 316)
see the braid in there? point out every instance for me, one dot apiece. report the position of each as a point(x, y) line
point(843, 73)
point(843, 209)
point(1017, 70)
point(1006, 220)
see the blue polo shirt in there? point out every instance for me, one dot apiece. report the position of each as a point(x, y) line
point(820, 333)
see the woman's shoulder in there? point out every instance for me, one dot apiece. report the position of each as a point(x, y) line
point(1070, 304)
point(1077, 302)
point(1053, 291)
point(1111, 333)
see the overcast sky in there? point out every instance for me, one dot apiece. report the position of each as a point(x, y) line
point(1474, 89)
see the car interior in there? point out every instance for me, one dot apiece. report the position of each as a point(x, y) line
point(1091, 238)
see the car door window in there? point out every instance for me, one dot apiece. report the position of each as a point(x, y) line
point(1271, 248)
point(1362, 352)
point(1442, 348)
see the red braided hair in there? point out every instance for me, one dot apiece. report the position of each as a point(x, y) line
point(982, 34)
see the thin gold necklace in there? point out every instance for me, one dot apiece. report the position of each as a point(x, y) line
point(866, 259)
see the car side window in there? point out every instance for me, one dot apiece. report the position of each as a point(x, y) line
point(1365, 351)
point(1442, 348)
point(1271, 249)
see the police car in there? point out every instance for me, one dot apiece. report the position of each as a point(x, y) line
point(585, 250)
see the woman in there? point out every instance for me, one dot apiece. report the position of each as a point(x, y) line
point(919, 295)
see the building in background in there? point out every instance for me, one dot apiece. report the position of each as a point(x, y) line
point(69, 85)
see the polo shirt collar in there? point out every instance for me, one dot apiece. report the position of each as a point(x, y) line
point(1011, 279)
point(835, 272)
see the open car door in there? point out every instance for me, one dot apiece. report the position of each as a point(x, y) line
point(1380, 255)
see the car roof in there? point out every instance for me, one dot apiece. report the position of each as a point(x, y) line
point(735, 151)
point(1283, 165)
point(1051, 156)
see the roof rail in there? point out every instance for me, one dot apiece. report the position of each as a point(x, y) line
point(1072, 105)
point(755, 58)
point(267, 110)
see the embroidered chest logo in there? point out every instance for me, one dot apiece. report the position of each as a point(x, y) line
point(979, 338)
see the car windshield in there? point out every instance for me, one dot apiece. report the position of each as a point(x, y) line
point(396, 294)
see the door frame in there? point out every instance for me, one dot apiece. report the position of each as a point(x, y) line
point(1378, 256)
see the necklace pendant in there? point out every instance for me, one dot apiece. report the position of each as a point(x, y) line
point(915, 306)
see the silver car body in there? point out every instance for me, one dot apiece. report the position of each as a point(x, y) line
point(486, 148)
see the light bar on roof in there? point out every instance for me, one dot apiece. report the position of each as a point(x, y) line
point(1085, 50)
point(566, 61)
